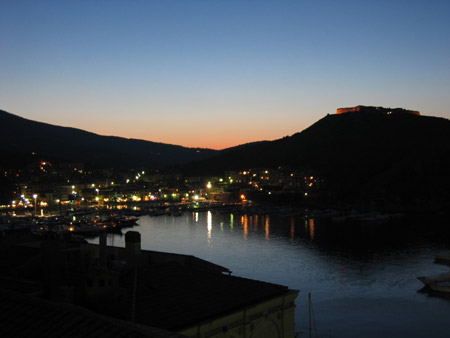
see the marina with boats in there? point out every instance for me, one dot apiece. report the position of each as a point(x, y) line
point(89, 225)
point(111, 218)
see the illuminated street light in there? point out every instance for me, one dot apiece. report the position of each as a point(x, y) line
point(35, 203)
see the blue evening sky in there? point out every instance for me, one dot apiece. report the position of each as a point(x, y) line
point(219, 73)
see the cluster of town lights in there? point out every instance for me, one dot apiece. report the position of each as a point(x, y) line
point(99, 192)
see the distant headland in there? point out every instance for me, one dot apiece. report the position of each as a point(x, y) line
point(379, 110)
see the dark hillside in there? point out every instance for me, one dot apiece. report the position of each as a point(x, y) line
point(20, 135)
point(391, 157)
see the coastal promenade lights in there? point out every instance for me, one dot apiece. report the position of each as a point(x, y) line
point(209, 185)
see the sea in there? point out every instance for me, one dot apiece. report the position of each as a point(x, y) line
point(362, 276)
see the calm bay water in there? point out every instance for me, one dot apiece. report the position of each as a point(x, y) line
point(362, 277)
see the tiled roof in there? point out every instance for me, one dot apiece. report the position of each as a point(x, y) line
point(174, 297)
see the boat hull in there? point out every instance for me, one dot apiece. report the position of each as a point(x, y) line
point(440, 286)
point(445, 277)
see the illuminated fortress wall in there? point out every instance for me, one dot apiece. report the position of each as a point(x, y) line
point(371, 109)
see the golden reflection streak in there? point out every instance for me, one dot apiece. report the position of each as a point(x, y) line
point(267, 227)
point(231, 221)
point(209, 224)
point(244, 222)
point(311, 228)
point(256, 222)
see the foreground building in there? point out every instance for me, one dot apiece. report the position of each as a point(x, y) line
point(147, 293)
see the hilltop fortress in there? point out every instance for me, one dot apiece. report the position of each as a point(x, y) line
point(379, 110)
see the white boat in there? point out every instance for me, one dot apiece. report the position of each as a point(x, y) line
point(445, 277)
point(441, 286)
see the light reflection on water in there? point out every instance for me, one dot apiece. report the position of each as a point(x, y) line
point(362, 278)
point(209, 226)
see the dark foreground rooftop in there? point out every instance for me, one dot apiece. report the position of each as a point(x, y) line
point(53, 287)
point(174, 297)
point(28, 316)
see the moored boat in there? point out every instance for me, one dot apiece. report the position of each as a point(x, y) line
point(84, 230)
point(445, 277)
point(442, 257)
point(441, 286)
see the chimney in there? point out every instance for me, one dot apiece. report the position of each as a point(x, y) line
point(132, 247)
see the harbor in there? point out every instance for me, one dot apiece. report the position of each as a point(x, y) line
point(362, 277)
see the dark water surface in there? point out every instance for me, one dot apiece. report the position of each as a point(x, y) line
point(362, 277)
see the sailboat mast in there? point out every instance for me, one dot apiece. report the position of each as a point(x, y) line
point(309, 314)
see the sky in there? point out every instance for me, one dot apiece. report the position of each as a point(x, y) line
point(219, 73)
